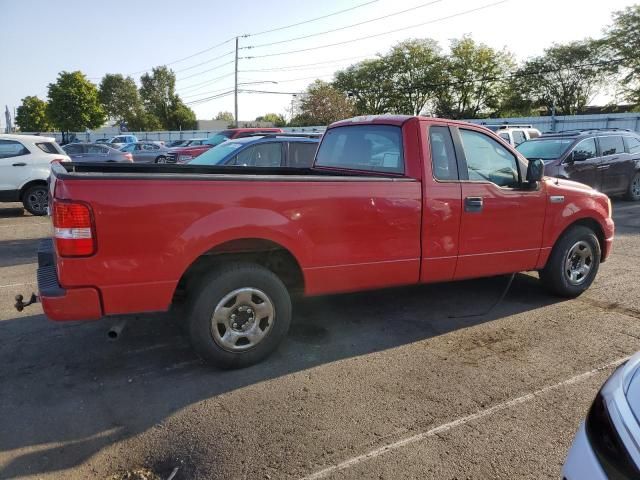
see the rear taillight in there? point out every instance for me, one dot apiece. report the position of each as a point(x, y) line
point(60, 160)
point(73, 229)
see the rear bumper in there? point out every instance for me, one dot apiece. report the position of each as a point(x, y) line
point(63, 304)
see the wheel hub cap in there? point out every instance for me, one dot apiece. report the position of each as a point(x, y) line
point(578, 263)
point(242, 319)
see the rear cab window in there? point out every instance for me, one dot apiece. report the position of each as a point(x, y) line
point(372, 148)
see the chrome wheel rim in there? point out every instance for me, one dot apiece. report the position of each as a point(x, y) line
point(242, 319)
point(161, 160)
point(578, 263)
point(635, 186)
point(38, 200)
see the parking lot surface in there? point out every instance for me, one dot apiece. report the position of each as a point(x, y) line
point(392, 384)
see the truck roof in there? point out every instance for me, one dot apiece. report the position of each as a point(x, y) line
point(385, 119)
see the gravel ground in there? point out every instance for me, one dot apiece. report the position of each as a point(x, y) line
point(373, 385)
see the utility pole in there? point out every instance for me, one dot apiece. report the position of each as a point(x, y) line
point(235, 95)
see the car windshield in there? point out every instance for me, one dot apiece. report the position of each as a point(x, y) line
point(217, 155)
point(545, 149)
point(218, 138)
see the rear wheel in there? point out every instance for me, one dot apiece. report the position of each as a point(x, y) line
point(239, 315)
point(633, 193)
point(161, 159)
point(35, 199)
point(573, 263)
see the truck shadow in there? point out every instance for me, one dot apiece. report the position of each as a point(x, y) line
point(68, 393)
point(18, 252)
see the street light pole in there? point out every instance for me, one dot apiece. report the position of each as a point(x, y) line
point(235, 95)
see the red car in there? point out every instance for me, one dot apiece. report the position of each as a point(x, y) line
point(391, 200)
point(186, 154)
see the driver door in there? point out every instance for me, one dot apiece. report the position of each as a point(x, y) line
point(502, 219)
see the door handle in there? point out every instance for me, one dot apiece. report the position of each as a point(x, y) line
point(19, 164)
point(603, 167)
point(473, 204)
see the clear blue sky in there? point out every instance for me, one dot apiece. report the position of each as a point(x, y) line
point(40, 38)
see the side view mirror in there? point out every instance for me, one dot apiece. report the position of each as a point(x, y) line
point(578, 156)
point(535, 170)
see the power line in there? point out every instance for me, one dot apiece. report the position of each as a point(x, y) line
point(207, 93)
point(205, 71)
point(272, 92)
point(207, 99)
point(187, 57)
point(205, 62)
point(303, 78)
point(304, 66)
point(427, 4)
point(206, 82)
point(466, 12)
point(310, 20)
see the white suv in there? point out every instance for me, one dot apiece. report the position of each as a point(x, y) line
point(25, 163)
point(515, 134)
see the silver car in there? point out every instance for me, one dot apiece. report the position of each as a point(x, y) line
point(93, 152)
point(146, 152)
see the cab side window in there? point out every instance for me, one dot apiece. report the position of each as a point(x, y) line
point(443, 157)
point(611, 145)
point(488, 161)
point(585, 150)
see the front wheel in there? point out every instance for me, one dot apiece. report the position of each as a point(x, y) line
point(633, 193)
point(573, 263)
point(161, 159)
point(35, 199)
point(239, 315)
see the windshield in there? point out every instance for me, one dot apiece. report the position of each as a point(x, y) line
point(218, 138)
point(545, 149)
point(217, 155)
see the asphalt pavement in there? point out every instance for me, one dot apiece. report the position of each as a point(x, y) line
point(385, 385)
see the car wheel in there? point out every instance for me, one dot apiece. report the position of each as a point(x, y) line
point(35, 199)
point(573, 263)
point(239, 315)
point(161, 159)
point(633, 193)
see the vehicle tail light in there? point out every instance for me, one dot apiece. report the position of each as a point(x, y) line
point(73, 229)
point(60, 160)
point(129, 157)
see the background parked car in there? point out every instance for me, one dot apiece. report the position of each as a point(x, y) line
point(146, 152)
point(607, 160)
point(514, 135)
point(185, 154)
point(24, 169)
point(276, 150)
point(92, 152)
point(102, 140)
point(121, 140)
point(607, 443)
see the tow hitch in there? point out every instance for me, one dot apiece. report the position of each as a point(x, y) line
point(20, 304)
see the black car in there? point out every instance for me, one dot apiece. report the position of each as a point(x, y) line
point(607, 160)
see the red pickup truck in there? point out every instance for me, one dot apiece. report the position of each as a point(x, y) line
point(186, 154)
point(391, 200)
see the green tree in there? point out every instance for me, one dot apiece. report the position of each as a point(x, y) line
point(158, 93)
point(623, 43)
point(275, 118)
point(119, 96)
point(32, 115)
point(567, 75)
point(369, 84)
point(226, 116)
point(474, 80)
point(323, 104)
point(74, 104)
point(417, 70)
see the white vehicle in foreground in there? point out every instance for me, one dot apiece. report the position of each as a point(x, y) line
point(25, 164)
point(607, 445)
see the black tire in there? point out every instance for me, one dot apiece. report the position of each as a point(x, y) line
point(557, 275)
point(35, 199)
point(222, 283)
point(633, 193)
point(161, 159)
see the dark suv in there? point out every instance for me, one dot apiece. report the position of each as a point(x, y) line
point(608, 160)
